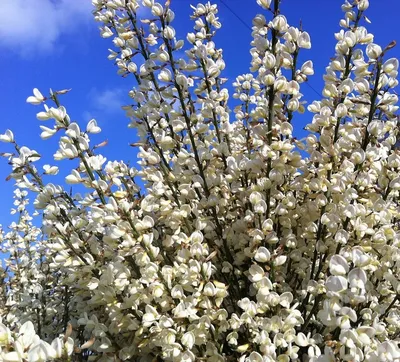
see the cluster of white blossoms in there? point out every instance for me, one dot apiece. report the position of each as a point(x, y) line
point(247, 244)
point(25, 344)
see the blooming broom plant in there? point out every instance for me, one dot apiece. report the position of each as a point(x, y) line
point(247, 243)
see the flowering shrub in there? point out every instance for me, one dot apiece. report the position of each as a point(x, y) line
point(247, 244)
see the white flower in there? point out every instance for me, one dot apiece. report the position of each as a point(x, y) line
point(262, 255)
point(41, 352)
point(169, 32)
point(165, 75)
point(269, 60)
point(285, 299)
point(338, 265)
point(146, 223)
point(255, 357)
point(12, 357)
point(304, 40)
point(363, 5)
point(341, 111)
point(280, 260)
point(301, 340)
point(357, 278)
point(307, 68)
point(188, 340)
point(47, 132)
point(197, 237)
point(8, 136)
point(374, 51)
point(92, 127)
point(96, 162)
point(37, 97)
point(391, 67)
point(264, 3)
point(280, 23)
point(255, 197)
point(256, 273)
point(157, 9)
point(58, 347)
point(388, 351)
point(27, 334)
point(50, 170)
point(336, 284)
point(106, 32)
point(5, 335)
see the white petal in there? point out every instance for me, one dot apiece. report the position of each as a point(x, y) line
point(37, 94)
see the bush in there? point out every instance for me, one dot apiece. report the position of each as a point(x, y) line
point(247, 243)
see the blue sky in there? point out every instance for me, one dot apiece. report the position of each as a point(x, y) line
point(56, 44)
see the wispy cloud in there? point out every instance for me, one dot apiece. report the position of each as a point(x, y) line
point(105, 105)
point(28, 26)
point(108, 100)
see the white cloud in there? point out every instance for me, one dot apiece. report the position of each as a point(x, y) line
point(108, 100)
point(105, 104)
point(28, 26)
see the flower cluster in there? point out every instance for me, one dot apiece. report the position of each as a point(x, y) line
point(25, 344)
point(247, 243)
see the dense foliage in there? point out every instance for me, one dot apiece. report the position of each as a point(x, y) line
point(247, 243)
